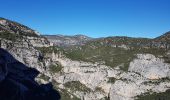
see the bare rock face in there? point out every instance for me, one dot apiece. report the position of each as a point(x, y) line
point(61, 40)
point(23, 51)
point(127, 85)
point(93, 76)
point(147, 73)
point(149, 66)
point(91, 81)
point(17, 81)
point(16, 28)
point(21, 42)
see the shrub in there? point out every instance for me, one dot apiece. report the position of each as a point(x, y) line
point(65, 95)
point(155, 96)
point(10, 36)
point(44, 77)
point(55, 68)
point(77, 86)
point(111, 80)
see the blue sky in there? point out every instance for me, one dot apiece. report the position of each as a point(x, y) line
point(95, 18)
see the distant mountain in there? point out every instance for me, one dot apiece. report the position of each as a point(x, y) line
point(162, 41)
point(63, 40)
point(109, 68)
point(163, 38)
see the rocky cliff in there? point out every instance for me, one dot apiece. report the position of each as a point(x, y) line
point(65, 41)
point(112, 68)
point(17, 81)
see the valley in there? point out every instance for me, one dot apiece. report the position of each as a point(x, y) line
point(84, 68)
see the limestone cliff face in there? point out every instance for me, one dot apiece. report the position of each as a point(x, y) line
point(84, 80)
point(17, 81)
point(24, 51)
point(16, 28)
point(61, 40)
point(150, 67)
point(146, 73)
point(21, 42)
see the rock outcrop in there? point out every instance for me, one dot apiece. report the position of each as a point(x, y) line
point(48, 65)
point(126, 85)
point(65, 41)
point(146, 74)
point(17, 81)
point(16, 28)
point(150, 67)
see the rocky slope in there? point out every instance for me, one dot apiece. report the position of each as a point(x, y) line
point(164, 38)
point(61, 40)
point(139, 66)
point(113, 68)
point(23, 47)
point(146, 74)
point(17, 81)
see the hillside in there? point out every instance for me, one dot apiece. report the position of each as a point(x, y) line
point(83, 68)
point(7, 26)
point(114, 51)
point(164, 38)
point(17, 81)
point(66, 41)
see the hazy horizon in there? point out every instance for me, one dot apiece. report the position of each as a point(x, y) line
point(101, 36)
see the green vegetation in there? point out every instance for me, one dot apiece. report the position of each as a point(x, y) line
point(65, 95)
point(111, 80)
point(105, 98)
point(55, 68)
point(166, 58)
point(98, 51)
point(51, 49)
point(13, 36)
point(18, 29)
point(28, 34)
point(155, 96)
point(99, 89)
point(164, 39)
point(44, 77)
point(77, 86)
point(10, 36)
point(114, 51)
point(167, 61)
point(157, 81)
point(1, 18)
point(111, 56)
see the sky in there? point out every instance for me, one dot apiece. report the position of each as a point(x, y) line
point(94, 18)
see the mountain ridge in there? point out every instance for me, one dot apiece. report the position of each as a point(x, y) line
point(17, 28)
point(97, 69)
point(65, 40)
point(73, 40)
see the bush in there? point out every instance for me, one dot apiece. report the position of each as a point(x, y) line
point(77, 86)
point(10, 36)
point(55, 68)
point(99, 89)
point(112, 56)
point(155, 96)
point(44, 77)
point(65, 95)
point(51, 49)
point(111, 80)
